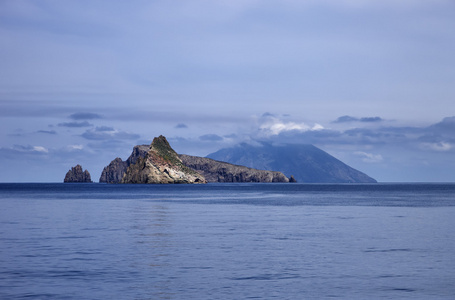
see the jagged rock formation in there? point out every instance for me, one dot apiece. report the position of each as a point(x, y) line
point(217, 171)
point(138, 152)
point(161, 164)
point(76, 174)
point(306, 162)
point(113, 173)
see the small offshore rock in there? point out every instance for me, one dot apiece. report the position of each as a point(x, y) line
point(76, 174)
point(292, 179)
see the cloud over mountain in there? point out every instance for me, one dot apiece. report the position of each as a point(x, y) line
point(273, 125)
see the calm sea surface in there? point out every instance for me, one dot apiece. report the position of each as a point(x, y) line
point(227, 241)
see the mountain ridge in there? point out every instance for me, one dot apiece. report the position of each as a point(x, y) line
point(218, 171)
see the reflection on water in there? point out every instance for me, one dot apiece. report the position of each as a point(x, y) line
point(152, 233)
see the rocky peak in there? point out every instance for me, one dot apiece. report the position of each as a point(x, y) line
point(161, 164)
point(161, 152)
point(162, 143)
point(138, 152)
point(76, 174)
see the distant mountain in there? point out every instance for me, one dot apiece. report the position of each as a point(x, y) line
point(306, 163)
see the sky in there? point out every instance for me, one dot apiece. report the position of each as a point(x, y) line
point(370, 82)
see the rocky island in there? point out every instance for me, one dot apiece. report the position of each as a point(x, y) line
point(76, 174)
point(159, 163)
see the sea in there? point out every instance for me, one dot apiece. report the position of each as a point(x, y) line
point(227, 241)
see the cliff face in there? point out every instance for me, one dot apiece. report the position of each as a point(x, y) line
point(217, 171)
point(76, 174)
point(113, 173)
point(138, 152)
point(161, 164)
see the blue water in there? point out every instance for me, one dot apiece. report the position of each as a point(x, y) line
point(227, 241)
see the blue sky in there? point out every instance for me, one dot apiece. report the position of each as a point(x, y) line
point(370, 82)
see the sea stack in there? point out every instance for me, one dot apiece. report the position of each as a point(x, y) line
point(76, 174)
point(161, 164)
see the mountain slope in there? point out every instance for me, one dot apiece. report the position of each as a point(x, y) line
point(217, 171)
point(306, 163)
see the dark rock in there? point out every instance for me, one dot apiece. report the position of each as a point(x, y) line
point(292, 179)
point(217, 171)
point(138, 152)
point(113, 173)
point(76, 174)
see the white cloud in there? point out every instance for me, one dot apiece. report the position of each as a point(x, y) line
point(317, 127)
point(40, 149)
point(441, 146)
point(75, 147)
point(275, 126)
point(28, 149)
point(369, 157)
